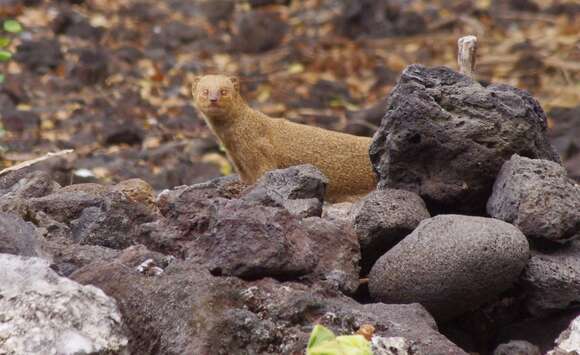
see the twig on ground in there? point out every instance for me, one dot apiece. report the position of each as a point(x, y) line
point(27, 163)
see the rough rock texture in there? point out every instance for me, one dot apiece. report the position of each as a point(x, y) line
point(568, 343)
point(445, 137)
point(537, 197)
point(300, 189)
point(337, 249)
point(185, 310)
point(18, 237)
point(250, 240)
point(450, 264)
point(552, 280)
point(382, 219)
point(43, 313)
point(517, 347)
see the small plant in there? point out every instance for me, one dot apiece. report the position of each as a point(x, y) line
point(323, 342)
point(9, 27)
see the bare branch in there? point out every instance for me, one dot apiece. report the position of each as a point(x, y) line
point(27, 163)
point(467, 50)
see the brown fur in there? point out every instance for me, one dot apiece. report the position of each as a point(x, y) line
point(257, 143)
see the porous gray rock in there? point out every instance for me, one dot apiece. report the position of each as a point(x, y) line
point(451, 264)
point(186, 310)
point(300, 189)
point(445, 137)
point(338, 253)
point(384, 217)
point(43, 313)
point(18, 237)
point(517, 347)
point(250, 240)
point(538, 197)
point(552, 280)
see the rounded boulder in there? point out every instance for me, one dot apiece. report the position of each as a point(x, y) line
point(451, 264)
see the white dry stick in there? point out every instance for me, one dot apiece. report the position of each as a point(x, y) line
point(24, 164)
point(467, 50)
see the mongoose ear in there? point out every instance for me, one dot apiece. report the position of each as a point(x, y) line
point(194, 83)
point(236, 83)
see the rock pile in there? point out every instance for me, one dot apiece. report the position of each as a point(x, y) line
point(218, 267)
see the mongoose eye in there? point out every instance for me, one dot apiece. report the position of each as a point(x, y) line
point(205, 92)
point(223, 92)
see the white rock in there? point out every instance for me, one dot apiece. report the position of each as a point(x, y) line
point(43, 313)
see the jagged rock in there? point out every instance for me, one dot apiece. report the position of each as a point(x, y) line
point(18, 237)
point(28, 184)
point(43, 313)
point(114, 223)
point(517, 347)
point(185, 310)
point(537, 197)
point(445, 137)
point(384, 217)
point(568, 343)
point(337, 249)
point(299, 189)
point(251, 241)
point(451, 264)
point(552, 280)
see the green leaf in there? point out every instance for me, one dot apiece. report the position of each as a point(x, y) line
point(12, 26)
point(4, 41)
point(5, 56)
point(319, 335)
point(2, 77)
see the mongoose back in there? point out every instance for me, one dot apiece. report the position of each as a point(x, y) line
point(256, 143)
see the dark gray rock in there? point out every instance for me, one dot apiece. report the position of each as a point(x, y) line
point(64, 206)
point(29, 184)
point(258, 31)
point(337, 249)
point(537, 197)
point(113, 224)
point(451, 264)
point(384, 217)
point(552, 280)
point(517, 347)
point(39, 56)
point(92, 67)
point(185, 310)
point(251, 241)
point(300, 189)
point(445, 137)
point(18, 237)
point(379, 18)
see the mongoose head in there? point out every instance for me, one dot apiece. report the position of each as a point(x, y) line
point(216, 95)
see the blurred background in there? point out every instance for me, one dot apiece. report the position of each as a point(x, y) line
point(110, 78)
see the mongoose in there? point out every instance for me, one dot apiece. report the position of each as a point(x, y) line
point(257, 143)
